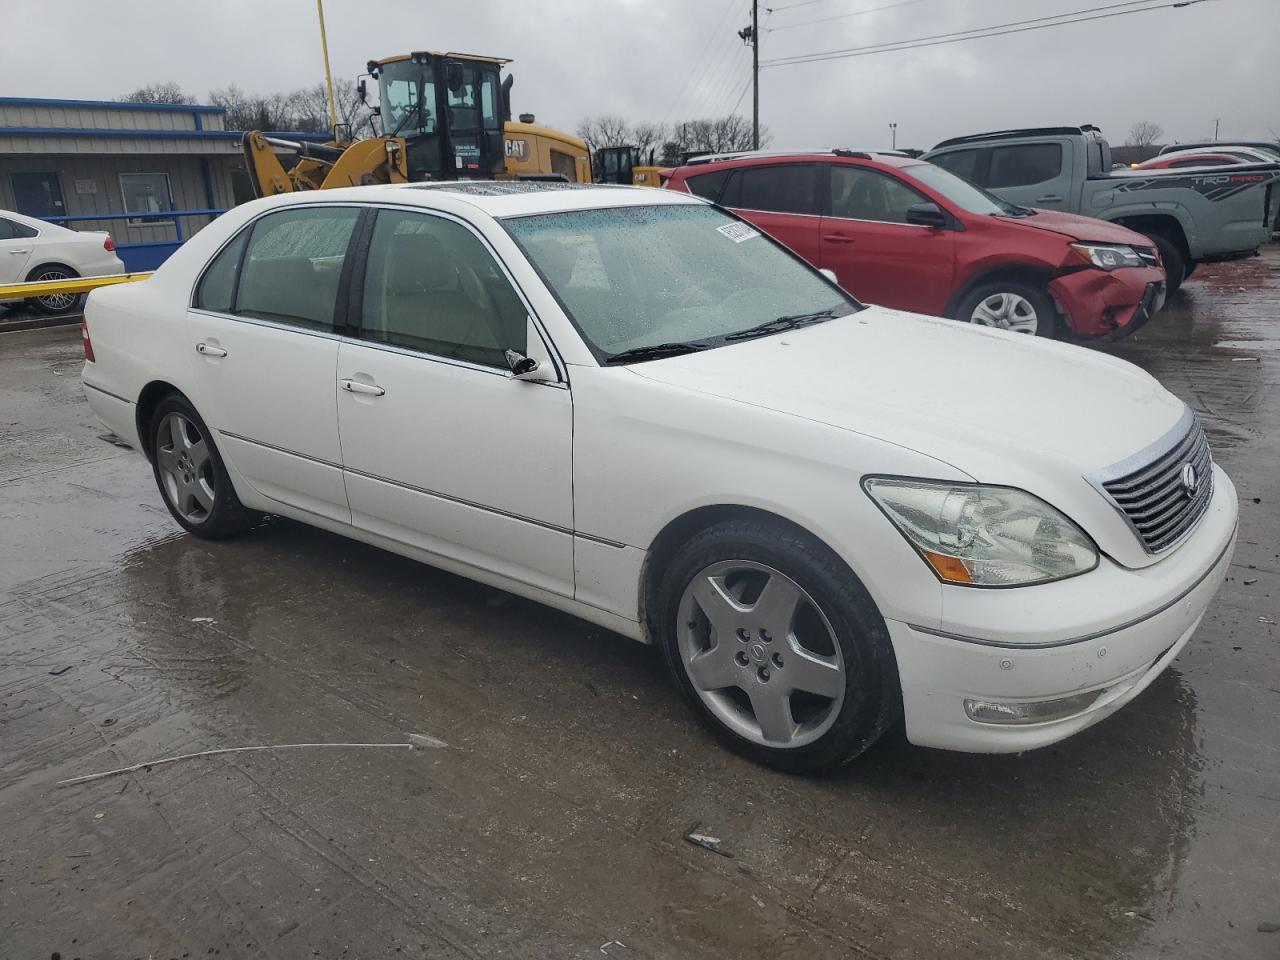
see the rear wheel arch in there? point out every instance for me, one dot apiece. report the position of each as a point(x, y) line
point(148, 400)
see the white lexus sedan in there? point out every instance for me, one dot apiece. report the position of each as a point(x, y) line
point(632, 406)
point(32, 250)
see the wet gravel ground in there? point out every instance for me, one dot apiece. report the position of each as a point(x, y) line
point(552, 825)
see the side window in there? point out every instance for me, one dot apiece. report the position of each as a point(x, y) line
point(707, 185)
point(861, 194)
point(782, 189)
point(293, 265)
point(963, 163)
point(1022, 165)
point(432, 286)
point(12, 230)
point(217, 290)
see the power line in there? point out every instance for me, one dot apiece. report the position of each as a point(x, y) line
point(788, 6)
point(977, 33)
point(700, 74)
point(844, 16)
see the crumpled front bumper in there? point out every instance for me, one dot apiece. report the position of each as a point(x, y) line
point(1109, 304)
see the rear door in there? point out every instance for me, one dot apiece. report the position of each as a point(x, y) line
point(16, 243)
point(263, 340)
point(1031, 174)
point(876, 255)
point(443, 449)
point(782, 200)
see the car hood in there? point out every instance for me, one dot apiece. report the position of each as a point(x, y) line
point(1079, 228)
point(1000, 407)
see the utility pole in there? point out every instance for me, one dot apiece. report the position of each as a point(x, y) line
point(893, 131)
point(328, 77)
point(1216, 121)
point(755, 75)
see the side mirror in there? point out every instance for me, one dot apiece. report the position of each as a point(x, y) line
point(453, 76)
point(927, 215)
point(524, 367)
point(362, 91)
point(830, 275)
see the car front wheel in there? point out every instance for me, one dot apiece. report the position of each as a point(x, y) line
point(1006, 305)
point(777, 646)
point(54, 303)
point(190, 473)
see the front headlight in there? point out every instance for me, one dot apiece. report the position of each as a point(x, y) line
point(1108, 256)
point(984, 536)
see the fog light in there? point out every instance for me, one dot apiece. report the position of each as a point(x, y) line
point(1039, 711)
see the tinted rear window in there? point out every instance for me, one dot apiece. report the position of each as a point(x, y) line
point(1024, 164)
point(707, 185)
point(789, 188)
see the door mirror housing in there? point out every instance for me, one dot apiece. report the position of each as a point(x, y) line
point(830, 275)
point(524, 367)
point(927, 215)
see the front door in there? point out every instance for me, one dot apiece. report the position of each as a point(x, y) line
point(1031, 174)
point(443, 449)
point(264, 353)
point(38, 194)
point(876, 255)
point(780, 199)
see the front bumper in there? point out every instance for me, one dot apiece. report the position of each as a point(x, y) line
point(1112, 631)
point(1108, 304)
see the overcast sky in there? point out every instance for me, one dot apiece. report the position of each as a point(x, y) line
point(679, 59)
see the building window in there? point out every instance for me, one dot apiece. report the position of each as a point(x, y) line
point(146, 193)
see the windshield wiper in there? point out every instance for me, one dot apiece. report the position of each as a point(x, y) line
point(789, 322)
point(657, 351)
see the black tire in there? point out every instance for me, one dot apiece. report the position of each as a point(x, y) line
point(872, 698)
point(224, 516)
point(57, 303)
point(1190, 269)
point(1037, 297)
point(1175, 264)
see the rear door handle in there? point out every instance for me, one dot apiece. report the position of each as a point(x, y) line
point(839, 238)
point(359, 386)
point(205, 350)
point(1051, 198)
point(17, 253)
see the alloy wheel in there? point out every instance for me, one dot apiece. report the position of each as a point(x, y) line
point(1007, 311)
point(56, 301)
point(186, 469)
point(761, 655)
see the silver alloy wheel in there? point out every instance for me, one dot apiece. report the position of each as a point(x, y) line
point(760, 653)
point(186, 470)
point(1008, 311)
point(56, 301)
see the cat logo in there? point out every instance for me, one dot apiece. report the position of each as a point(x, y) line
point(517, 149)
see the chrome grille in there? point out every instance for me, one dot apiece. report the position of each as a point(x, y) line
point(1151, 490)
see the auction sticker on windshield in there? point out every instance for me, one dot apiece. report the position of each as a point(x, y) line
point(737, 232)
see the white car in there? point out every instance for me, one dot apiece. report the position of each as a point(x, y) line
point(32, 249)
point(634, 407)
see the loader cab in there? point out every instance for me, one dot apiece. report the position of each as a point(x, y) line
point(615, 164)
point(449, 108)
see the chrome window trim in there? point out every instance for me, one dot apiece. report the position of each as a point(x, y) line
point(562, 369)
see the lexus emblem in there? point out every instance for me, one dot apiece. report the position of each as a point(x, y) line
point(1189, 479)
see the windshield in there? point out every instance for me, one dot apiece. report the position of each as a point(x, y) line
point(678, 275)
point(960, 192)
point(408, 98)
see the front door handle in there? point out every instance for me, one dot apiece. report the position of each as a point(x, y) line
point(207, 350)
point(17, 253)
point(1051, 198)
point(359, 386)
point(839, 238)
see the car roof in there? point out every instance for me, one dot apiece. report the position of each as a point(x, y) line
point(764, 157)
point(498, 198)
point(33, 222)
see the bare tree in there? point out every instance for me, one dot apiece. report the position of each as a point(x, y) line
point(712, 135)
point(647, 137)
point(605, 130)
point(1144, 133)
point(165, 92)
point(310, 109)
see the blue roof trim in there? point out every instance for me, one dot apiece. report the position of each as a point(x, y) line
point(154, 134)
point(111, 104)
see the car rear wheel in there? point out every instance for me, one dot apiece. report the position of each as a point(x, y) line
point(777, 646)
point(55, 302)
point(190, 473)
point(1009, 305)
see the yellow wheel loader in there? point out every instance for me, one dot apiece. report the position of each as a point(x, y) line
point(445, 116)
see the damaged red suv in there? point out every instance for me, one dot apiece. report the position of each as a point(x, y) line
point(903, 233)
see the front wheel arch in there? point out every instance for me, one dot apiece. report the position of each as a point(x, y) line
point(1014, 273)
